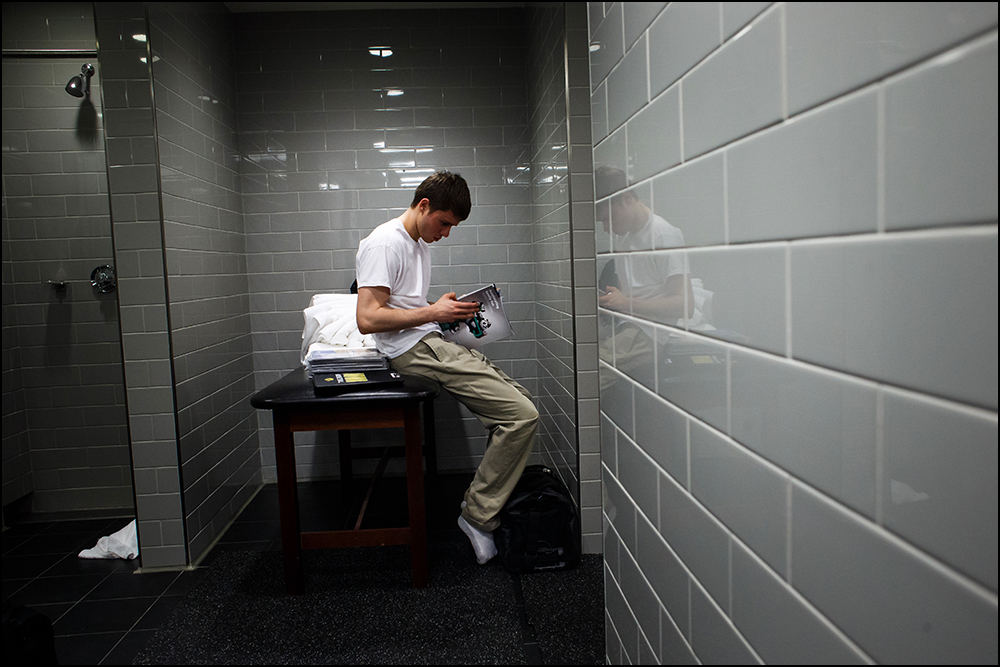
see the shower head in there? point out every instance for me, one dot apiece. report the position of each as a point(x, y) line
point(79, 86)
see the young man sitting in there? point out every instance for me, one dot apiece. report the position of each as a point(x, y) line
point(394, 274)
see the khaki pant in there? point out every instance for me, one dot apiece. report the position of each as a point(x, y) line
point(501, 404)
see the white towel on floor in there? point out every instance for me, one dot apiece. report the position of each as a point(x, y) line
point(123, 544)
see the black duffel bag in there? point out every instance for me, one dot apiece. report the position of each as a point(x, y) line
point(539, 525)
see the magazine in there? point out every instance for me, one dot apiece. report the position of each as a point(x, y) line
point(489, 324)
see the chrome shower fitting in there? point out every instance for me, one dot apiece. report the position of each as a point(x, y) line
point(79, 85)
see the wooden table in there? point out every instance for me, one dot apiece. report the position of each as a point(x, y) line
point(296, 406)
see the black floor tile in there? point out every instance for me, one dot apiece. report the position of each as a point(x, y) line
point(102, 610)
point(53, 611)
point(129, 646)
point(184, 582)
point(158, 613)
point(28, 567)
point(72, 564)
point(129, 585)
point(87, 649)
point(98, 616)
point(48, 590)
point(55, 543)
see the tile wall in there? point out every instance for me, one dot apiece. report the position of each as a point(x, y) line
point(64, 422)
point(194, 86)
point(565, 306)
point(341, 115)
point(805, 469)
point(136, 216)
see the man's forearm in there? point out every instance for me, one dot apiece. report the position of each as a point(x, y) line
point(384, 319)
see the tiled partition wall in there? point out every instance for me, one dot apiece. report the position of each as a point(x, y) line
point(806, 469)
point(341, 115)
point(136, 217)
point(64, 432)
point(194, 85)
point(562, 208)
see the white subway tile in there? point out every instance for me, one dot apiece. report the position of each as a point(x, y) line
point(736, 91)
point(836, 47)
point(916, 310)
point(940, 470)
point(692, 374)
point(641, 599)
point(620, 510)
point(683, 34)
point(627, 86)
point(895, 604)
point(595, 15)
point(674, 649)
point(745, 294)
point(691, 198)
point(606, 47)
point(714, 639)
point(664, 570)
point(638, 16)
point(735, 15)
point(941, 141)
point(610, 154)
point(696, 537)
point(625, 625)
point(724, 476)
point(654, 137)
point(790, 633)
point(637, 474)
point(813, 176)
point(818, 426)
point(661, 432)
point(599, 112)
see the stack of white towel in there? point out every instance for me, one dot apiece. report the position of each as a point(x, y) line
point(332, 326)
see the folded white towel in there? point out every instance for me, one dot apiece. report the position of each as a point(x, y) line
point(331, 319)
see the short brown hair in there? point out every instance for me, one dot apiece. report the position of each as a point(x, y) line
point(446, 192)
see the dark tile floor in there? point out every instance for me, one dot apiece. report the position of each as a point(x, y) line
point(103, 612)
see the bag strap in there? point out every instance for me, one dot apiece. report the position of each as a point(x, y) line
point(534, 521)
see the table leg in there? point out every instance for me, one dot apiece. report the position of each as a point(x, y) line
point(346, 472)
point(291, 543)
point(430, 438)
point(415, 495)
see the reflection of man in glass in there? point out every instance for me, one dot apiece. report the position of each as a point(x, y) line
point(648, 286)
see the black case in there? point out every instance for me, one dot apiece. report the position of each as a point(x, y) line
point(28, 638)
point(539, 525)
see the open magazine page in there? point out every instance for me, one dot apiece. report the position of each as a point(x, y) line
point(489, 324)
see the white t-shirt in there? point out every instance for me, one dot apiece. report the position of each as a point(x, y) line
point(645, 274)
point(389, 257)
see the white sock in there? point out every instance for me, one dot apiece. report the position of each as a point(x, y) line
point(482, 541)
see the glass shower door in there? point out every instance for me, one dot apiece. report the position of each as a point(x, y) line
point(65, 438)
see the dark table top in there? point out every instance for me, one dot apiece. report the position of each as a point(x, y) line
point(296, 388)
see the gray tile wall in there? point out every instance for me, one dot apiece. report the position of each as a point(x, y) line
point(16, 445)
point(64, 428)
point(562, 188)
point(814, 478)
point(194, 87)
point(341, 115)
point(137, 223)
point(547, 155)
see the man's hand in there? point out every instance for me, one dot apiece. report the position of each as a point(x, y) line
point(375, 315)
point(614, 299)
point(447, 309)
